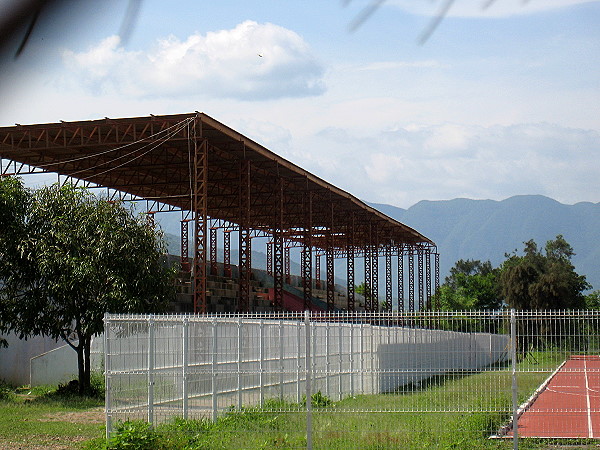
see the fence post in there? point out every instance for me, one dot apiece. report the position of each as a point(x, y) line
point(214, 370)
point(281, 366)
point(151, 344)
point(351, 328)
point(185, 364)
point(327, 359)
point(340, 346)
point(107, 374)
point(308, 382)
point(513, 340)
point(298, 365)
point(239, 362)
point(261, 381)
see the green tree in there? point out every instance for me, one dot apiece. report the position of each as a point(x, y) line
point(68, 258)
point(471, 285)
point(543, 280)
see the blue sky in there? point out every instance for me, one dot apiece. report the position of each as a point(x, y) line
point(499, 101)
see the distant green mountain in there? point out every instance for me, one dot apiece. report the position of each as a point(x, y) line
point(487, 229)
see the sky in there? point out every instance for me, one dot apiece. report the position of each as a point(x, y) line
point(501, 98)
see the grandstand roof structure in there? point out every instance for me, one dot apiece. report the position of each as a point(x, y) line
point(194, 163)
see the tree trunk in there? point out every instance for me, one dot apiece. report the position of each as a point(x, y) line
point(83, 356)
point(80, 366)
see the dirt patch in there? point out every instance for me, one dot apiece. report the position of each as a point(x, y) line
point(43, 441)
point(95, 415)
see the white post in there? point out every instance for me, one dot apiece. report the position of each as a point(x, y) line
point(298, 363)
point(281, 367)
point(185, 364)
point(239, 362)
point(327, 360)
point(351, 328)
point(151, 344)
point(362, 358)
point(308, 383)
point(513, 340)
point(262, 361)
point(214, 370)
point(340, 348)
point(107, 397)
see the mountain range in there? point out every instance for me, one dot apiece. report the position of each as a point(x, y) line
point(480, 229)
point(488, 229)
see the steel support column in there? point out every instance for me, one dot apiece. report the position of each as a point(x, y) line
point(318, 271)
point(278, 269)
point(270, 257)
point(286, 265)
point(200, 199)
point(307, 253)
point(388, 278)
point(368, 293)
point(411, 279)
point(429, 306)
point(421, 279)
point(185, 246)
point(374, 277)
point(277, 252)
point(437, 280)
point(350, 265)
point(245, 247)
point(330, 271)
point(400, 250)
point(227, 253)
point(213, 251)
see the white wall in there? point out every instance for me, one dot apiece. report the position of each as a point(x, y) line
point(14, 360)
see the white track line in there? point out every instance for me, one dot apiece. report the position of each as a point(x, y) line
point(587, 399)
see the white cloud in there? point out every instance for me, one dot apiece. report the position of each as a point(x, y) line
point(250, 62)
point(402, 167)
point(484, 8)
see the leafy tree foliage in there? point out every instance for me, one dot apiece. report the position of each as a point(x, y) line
point(543, 280)
point(471, 285)
point(67, 258)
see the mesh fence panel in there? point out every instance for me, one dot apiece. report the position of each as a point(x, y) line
point(377, 380)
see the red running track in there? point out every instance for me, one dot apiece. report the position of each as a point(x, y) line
point(569, 405)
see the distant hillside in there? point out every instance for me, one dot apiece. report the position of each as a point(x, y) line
point(487, 229)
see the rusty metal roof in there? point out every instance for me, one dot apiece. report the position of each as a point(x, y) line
point(153, 157)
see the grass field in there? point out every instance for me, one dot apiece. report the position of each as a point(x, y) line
point(46, 419)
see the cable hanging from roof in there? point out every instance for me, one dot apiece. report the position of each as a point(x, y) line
point(179, 126)
point(155, 145)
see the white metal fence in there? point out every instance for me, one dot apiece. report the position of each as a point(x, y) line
point(204, 367)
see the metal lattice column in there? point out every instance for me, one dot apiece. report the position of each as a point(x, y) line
point(200, 199)
point(318, 271)
point(437, 280)
point(388, 278)
point(213, 251)
point(307, 254)
point(270, 257)
point(277, 253)
point(374, 277)
point(428, 278)
point(400, 278)
point(278, 270)
point(227, 253)
point(287, 264)
point(330, 274)
point(350, 266)
point(421, 279)
point(368, 293)
point(185, 246)
point(411, 279)
point(245, 247)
